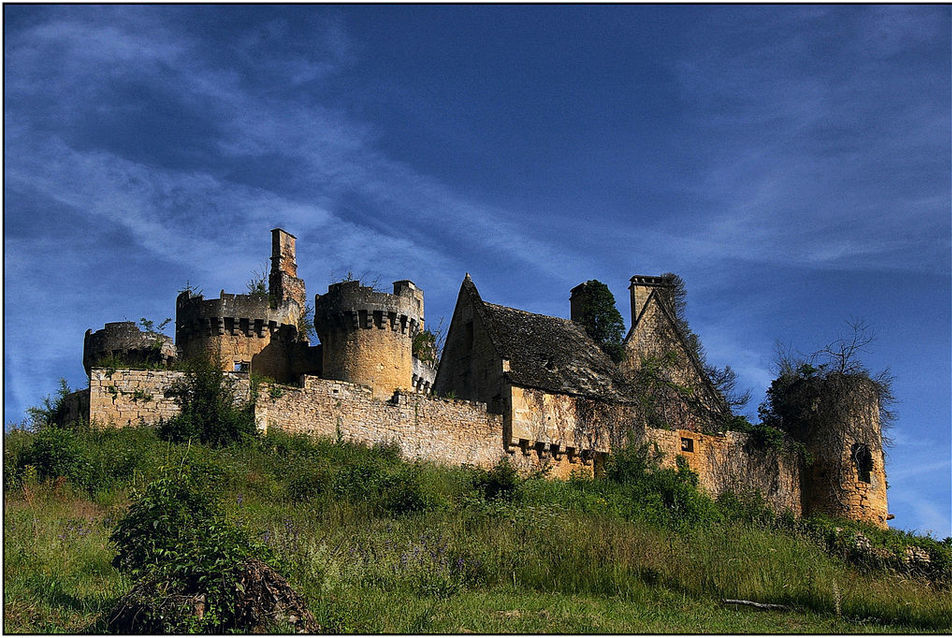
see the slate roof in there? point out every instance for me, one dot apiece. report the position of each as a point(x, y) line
point(550, 353)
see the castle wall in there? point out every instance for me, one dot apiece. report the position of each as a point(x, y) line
point(442, 430)
point(727, 463)
point(564, 421)
point(584, 428)
point(456, 432)
point(76, 407)
point(134, 397)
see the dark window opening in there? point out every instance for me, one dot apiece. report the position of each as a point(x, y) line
point(687, 444)
point(241, 366)
point(468, 337)
point(863, 460)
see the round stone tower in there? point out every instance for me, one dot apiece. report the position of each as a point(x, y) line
point(123, 342)
point(845, 475)
point(367, 336)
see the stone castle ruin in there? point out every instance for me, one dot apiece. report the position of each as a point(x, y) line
point(532, 389)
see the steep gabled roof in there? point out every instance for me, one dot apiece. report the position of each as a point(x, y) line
point(672, 321)
point(548, 353)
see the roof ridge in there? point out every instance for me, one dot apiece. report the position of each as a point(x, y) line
point(526, 312)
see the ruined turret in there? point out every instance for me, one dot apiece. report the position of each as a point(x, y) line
point(367, 336)
point(845, 473)
point(123, 343)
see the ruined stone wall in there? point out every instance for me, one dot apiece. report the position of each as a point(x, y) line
point(456, 432)
point(76, 407)
point(283, 282)
point(447, 431)
point(134, 397)
point(729, 463)
point(582, 428)
point(123, 341)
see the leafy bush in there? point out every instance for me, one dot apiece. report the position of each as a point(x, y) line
point(309, 479)
point(56, 452)
point(175, 535)
point(665, 496)
point(209, 408)
point(501, 482)
point(402, 491)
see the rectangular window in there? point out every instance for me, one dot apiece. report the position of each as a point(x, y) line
point(241, 366)
point(687, 444)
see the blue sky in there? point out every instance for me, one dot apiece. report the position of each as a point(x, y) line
point(791, 163)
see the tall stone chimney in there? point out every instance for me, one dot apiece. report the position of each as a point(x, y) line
point(577, 301)
point(641, 287)
point(283, 283)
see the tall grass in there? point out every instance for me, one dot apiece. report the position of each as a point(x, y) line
point(378, 544)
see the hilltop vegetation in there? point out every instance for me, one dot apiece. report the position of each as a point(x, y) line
point(377, 544)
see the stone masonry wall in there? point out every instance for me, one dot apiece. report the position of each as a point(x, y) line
point(442, 430)
point(447, 431)
point(133, 397)
point(726, 462)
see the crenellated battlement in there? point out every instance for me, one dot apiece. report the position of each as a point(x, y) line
point(349, 306)
point(122, 340)
point(367, 335)
point(248, 315)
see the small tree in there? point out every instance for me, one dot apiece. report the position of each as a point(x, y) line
point(601, 319)
point(210, 411)
point(258, 284)
point(53, 410)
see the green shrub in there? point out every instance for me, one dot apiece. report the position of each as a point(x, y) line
point(210, 411)
point(668, 496)
point(56, 452)
point(402, 491)
point(309, 479)
point(176, 536)
point(501, 482)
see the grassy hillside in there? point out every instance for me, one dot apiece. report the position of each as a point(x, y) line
point(376, 544)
